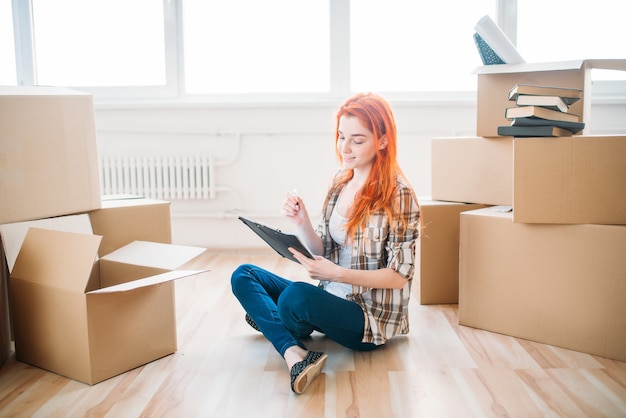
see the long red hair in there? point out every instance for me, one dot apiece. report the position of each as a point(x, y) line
point(377, 193)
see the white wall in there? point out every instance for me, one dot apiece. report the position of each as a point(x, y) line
point(265, 150)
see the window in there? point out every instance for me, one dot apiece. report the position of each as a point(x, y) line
point(562, 30)
point(247, 49)
point(251, 46)
point(410, 45)
point(99, 43)
point(8, 74)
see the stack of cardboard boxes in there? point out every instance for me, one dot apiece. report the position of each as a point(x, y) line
point(546, 262)
point(86, 285)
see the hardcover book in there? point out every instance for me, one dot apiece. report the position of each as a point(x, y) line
point(568, 95)
point(540, 112)
point(550, 102)
point(497, 40)
point(533, 131)
point(487, 55)
point(573, 127)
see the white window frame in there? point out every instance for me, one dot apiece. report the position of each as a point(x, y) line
point(174, 89)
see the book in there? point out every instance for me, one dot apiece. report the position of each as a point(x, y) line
point(278, 240)
point(567, 94)
point(487, 55)
point(498, 41)
point(539, 112)
point(573, 127)
point(533, 131)
point(550, 102)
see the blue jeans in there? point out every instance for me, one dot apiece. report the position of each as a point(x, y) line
point(287, 312)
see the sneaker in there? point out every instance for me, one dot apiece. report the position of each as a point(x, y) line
point(304, 372)
point(251, 322)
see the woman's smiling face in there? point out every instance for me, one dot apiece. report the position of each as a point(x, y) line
point(356, 144)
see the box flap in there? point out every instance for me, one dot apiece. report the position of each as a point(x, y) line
point(529, 66)
point(13, 234)
point(154, 254)
point(129, 201)
point(600, 64)
point(607, 64)
point(121, 196)
point(492, 211)
point(148, 281)
point(58, 259)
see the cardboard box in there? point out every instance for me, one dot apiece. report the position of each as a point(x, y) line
point(495, 81)
point(438, 252)
point(573, 180)
point(473, 170)
point(13, 234)
point(5, 319)
point(90, 319)
point(122, 220)
point(48, 157)
point(563, 285)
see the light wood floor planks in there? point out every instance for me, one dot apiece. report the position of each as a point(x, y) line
point(223, 368)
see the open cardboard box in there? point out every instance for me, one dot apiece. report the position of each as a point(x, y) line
point(495, 81)
point(123, 219)
point(5, 324)
point(90, 319)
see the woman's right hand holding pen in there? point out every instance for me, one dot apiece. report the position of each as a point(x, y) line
point(294, 208)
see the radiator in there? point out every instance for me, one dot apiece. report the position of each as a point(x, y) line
point(159, 177)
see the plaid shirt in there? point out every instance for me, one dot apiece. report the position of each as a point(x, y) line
point(382, 243)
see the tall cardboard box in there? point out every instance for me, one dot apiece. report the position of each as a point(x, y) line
point(495, 81)
point(473, 170)
point(563, 285)
point(570, 180)
point(438, 250)
point(5, 321)
point(48, 156)
point(90, 319)
point(123, 220)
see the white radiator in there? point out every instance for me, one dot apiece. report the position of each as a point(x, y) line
point(159, 177)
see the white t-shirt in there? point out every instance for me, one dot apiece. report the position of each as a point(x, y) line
point(336, 228)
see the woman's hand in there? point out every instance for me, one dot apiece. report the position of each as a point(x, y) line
point(294, 209)
point(319, 268)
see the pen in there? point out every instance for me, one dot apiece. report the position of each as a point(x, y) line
point(295, 194)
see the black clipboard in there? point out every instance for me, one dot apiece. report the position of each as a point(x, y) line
point(278, 240)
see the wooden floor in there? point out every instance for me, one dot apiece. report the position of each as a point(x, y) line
point(223, 368)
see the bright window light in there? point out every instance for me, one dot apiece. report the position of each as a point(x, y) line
point(99, 43)
point(251, 46)
point(7, 47)
point(566, 30)
point(408, 45)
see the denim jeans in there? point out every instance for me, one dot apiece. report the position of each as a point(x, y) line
point(287, 312)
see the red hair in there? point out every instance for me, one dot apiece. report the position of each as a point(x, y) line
point(377, 194)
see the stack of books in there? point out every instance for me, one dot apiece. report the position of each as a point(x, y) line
point(542, 111)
